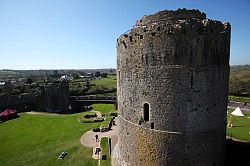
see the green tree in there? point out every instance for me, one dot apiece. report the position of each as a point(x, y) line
point(97, 74)
point(75, 76)
point(104, 75)
point(29, 81)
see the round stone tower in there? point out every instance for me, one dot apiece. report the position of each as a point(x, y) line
point(173, 72)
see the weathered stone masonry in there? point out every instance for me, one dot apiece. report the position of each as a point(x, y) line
point(173, 67)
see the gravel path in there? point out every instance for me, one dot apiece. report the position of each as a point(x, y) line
point(42, 113)
point(88, 138)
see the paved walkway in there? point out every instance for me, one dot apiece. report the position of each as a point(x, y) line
point(42, 113)
point(88, 139)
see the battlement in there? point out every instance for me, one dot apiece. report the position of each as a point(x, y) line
point(171, 15)
point(169, 38)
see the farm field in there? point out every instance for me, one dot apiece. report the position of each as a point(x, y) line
point(109, 82)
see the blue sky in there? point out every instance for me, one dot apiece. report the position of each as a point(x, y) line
point(80, 34)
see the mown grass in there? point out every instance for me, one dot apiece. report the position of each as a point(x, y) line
point(40, 139)
point(104, 108)
point(241, 126)
point(105, 151)
point(239, 99)
point(107, 121)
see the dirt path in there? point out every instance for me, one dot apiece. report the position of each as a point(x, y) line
point(42, 113)
point(88, 138)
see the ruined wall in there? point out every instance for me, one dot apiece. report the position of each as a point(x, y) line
point(21, 103)
point(55, 97)
point(178, 63)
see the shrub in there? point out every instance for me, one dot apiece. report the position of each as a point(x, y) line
point(104, 157)
point(90, 116)
point(96, 129)
point(113, 114)
point(98, 120)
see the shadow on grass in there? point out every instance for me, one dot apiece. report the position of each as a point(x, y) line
point(11, 118)
point(238, 126)
point(237, 153)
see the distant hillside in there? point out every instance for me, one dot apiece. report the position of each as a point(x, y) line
point(7, 74)
point(239, 76)
point(239, 83)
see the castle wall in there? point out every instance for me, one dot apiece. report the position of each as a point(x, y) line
point(178, 63)
point(55, 97)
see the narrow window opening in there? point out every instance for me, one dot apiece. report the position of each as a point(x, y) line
point(131, 38)
point(124, 44)
point(152, 125)
point(146, 112)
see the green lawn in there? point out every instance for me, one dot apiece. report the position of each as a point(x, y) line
point(241, 127)
point(107, 121)
point(104, 108)
point(40, 139)
point(105, 151)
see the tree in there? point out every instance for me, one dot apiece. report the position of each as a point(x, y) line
point(56, 73)
point(75, 76)
point(29, 81)
point(97, 74)
point(88, 84)
point(104, 75)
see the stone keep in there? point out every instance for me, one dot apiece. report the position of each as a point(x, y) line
point(173, 72)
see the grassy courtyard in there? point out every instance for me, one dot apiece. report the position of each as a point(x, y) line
point(241, 126)
point(104, 108)
point(40, 139)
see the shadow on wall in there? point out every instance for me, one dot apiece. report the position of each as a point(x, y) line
point(237, 153)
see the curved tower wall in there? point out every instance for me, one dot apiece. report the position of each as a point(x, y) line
point(178, 63)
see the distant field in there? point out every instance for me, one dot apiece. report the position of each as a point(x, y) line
point(5, 74)
point(109, 82)
point(241, 127)
point(95, 87)
point(239, 80)
point(40, 139)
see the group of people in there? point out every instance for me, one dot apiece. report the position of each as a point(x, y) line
point(97, 150)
